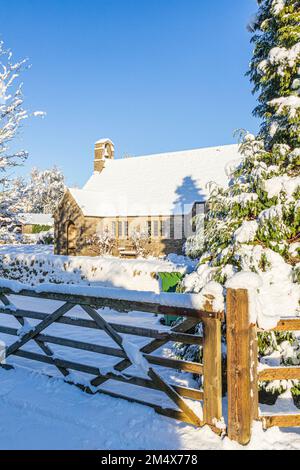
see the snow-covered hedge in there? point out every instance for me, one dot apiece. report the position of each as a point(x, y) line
point(34, 265)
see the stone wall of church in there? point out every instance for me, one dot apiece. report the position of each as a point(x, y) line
point(67, 215)
point(73, 230)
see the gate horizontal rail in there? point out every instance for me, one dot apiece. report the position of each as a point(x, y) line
point(281, 373)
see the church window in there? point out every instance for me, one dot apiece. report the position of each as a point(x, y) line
point(120, 229)
point(126, 229)
point(155, 228)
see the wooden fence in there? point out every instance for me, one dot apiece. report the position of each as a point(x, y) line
point(243, 375)
point(210, 395)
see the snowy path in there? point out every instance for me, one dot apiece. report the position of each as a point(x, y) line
point(38, 413)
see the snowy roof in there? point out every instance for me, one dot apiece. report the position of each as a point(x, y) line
point(160, 184)
point(36, 219)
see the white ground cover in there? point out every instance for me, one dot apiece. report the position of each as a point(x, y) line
point(41, 413)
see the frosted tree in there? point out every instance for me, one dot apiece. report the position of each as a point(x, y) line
point(102, 243)
point(44, 191)
point(253, 225)
point(19, 202)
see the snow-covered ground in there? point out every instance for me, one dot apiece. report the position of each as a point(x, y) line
point(41, 413)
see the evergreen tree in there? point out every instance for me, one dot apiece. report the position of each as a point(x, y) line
point(253, 225)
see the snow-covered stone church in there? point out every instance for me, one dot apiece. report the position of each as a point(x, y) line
point(154, 197)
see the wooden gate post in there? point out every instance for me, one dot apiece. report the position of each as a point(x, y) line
point(212, 371)
point(241, 367)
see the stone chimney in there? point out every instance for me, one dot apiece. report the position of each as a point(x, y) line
point(104, 150)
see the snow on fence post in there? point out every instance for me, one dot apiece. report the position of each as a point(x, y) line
point(241, 367)
point(212, 371)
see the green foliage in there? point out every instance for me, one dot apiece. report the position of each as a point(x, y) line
point(270, 341)
point(46, 238)
point(274, 70)
point(296, 390)
point(264, 263)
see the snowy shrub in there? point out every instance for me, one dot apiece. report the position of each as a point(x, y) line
point(35, 264)
point(102, 243)
point(45, 238)
point(194, 245)
point(140, 241)
point(10, 235)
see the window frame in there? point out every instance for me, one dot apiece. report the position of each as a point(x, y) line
point(126, 229)
point(120, 229)
point(149, 228)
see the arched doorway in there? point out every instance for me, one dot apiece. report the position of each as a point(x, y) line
point(71, 239)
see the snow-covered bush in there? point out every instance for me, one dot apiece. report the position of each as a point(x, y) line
point(194, 245)
point(102, 243)
point(37, 269)
point(253, 225)
point(10, 236)
point(35, 264)
point(39, 238)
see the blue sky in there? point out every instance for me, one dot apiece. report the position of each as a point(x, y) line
point(153, 75)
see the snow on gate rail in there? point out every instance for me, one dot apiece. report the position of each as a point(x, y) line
point(194, 308)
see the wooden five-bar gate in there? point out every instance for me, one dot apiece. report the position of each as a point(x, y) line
point(242, 355)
